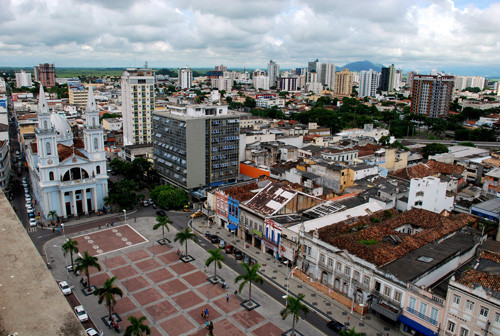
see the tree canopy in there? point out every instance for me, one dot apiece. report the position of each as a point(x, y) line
point(169, 197)
point(433, 149)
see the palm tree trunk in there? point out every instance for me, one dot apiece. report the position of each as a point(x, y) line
point(110, 311)
point(215, 270)
point(293, 325)
point(72, 266)
point(87, 273)
point(250, 293)
point(163, 232)
point(186, 248)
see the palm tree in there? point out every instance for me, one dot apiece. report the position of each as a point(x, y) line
point(251, 275)
point(350, 332)
point(108, 292)
point(215, 257)
point(184, 236)
point(85, 262)
point(52, 214)
point(70, 246)
point(294, 307)
point(162, 222)
point(136, 327)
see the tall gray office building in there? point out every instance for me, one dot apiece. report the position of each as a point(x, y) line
point(273, 72)
point(196, 145)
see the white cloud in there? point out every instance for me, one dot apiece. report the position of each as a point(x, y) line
point(411, 35)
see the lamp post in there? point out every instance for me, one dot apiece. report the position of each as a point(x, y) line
point(62, 228)
point(288, 283)
point(125, 214)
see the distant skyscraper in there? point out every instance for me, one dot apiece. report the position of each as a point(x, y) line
point(431, 95)
point(261, 82)
point(387, 79)
point(368, 83)
point(222, 68)
point(138, 102)
point(327, 74)
point(312, 66)
point(23, 79)
point(273, 72)
point(46, 74)
point(398, 79)
point(409, 78)
point(185, 80)
point(463, 82)
point(343, 83)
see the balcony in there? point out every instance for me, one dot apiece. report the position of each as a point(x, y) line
point(422, 316)
point(78, 182)
point(386, 308)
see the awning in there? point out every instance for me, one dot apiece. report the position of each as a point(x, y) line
point(232, 227)
point(416, 326)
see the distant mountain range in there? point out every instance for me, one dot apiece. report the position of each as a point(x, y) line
point(361, 65)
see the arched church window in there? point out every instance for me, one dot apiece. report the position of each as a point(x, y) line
point(93, 122)
point(98, 169)
point(96, 143)
point(48, 148)
point(51, 176)
point(45, 125)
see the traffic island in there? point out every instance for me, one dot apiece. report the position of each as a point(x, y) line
point(249, 305)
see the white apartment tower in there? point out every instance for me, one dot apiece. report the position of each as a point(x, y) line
point(273, 72)
point(185, 80)
point(326, 73)
point(261, 82)
point(138, 102)
point(368, 83)
point(23, 79)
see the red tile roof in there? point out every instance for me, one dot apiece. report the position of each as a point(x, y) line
point(65, 152)
point(365, 237)
point(487, 280)
point(431, 168)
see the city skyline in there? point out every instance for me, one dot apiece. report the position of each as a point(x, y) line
point(453, 36)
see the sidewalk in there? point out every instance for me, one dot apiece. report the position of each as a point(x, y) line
point(277, 274)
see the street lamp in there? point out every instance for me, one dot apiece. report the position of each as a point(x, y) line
point(62, 228)
point(287, 283)
point(125, 214)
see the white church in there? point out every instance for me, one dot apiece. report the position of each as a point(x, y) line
point(68, 175)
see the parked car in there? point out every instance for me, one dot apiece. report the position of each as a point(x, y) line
point(92, 332)
point(222, 244)
point(246, 260)
point(81, 313)
point(214, 239)
point(65, 288)
point(336, 326)
point(229, 249)
point(161, 213)
point(238, 255)
point(32, 222)
point(196, 214)
point(145, 203)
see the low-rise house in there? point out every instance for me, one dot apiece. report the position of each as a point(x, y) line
point(492, 182)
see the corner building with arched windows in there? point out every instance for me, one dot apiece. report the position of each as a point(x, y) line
point(67, 175)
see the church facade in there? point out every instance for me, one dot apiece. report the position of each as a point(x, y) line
point(68, 175)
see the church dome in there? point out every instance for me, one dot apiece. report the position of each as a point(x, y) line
point(62, 129)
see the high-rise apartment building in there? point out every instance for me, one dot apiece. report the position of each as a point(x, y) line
point(398, 79)
point(368, 83)
point(261, 82)
point(221, 68)
point(343, 83)
point(185, 80)
point(463, 82)
point(387, 79)
point(273, 72)
point(222, 83)
point(312, 66)
point(45, 74)
point(431, 95)
point(78, 96)
point(326, 73)
point(409, 78)
point(196, 145)
point(23, 79)
point(138, 102)
point(288, 83)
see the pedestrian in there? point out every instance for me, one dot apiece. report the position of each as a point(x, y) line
point(107, 224)
point(53, 229)
point(206, 313)
point(112, 223)
point(203, 314)
point(227, 297)
point(207, 324)
point(211, 329)
point(135, 220)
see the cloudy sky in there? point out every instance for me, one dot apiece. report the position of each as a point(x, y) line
point(453, 35)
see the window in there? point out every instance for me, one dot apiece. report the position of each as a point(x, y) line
point(483, 312)
point(347, 271)
point(366, 280)
point(451, 326)
point(98, 169)
point(339, 266)
point(464, 332)
point(51, 176)
point(397, 296)
point(356, 275)
point(330, 262)
point(469, 305)
point(413, 303)
point(423, 308)
point(434, 315)
point(456, 299)
point(96, 144)
point(48, 148)
point(497, 318)
point(322, 259)
point(387, 291)
point(377, 286)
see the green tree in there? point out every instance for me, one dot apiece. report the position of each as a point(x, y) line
point(433, 149)
point(108, 292)
point(184, 236)
point(249, 102)
point(122, 194)
point(294, 307)
point(70, 246)
point(52, 215)
point(169, 197)
point(162, 222)
point(216, 257)
point(137, 327)
point(85, 262)
point(250, 275)
point(350, 332)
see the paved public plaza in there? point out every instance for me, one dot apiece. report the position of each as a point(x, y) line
point(169, 292)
